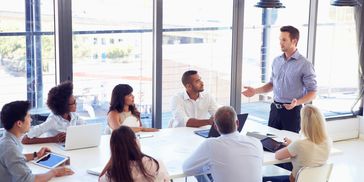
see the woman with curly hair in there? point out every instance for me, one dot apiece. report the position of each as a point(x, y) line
point(128, 163)
point(62, 103)
point(122, 110)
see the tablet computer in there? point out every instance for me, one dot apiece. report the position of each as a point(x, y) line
point(51, 160)
point(271, 145)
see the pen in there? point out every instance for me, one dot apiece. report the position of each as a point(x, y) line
point(144, 136)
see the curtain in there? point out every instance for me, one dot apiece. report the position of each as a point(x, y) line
point(359, 20)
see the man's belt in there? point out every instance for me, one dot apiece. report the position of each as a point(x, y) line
point(279, 105)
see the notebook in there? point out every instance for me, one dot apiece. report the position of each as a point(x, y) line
point(82, 136)
point(212, 132)
point(95, 171)
point(256, 135)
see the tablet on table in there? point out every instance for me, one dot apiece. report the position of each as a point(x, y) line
point(51, 160)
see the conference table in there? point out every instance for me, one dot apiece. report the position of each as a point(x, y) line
point(170, 145)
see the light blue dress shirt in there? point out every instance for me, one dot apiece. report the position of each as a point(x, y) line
point(54, 125)
point(12, 162)
point(229, 158)
point(292, 78)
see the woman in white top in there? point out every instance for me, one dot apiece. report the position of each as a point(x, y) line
point(62, 103)
point(122, 110)
point(128, 163)
point(314, 148)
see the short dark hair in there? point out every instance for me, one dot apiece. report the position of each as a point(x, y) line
point(186, 77)
point(225, 119)
point(293, 32)
point(12, 112)
point(58, 98)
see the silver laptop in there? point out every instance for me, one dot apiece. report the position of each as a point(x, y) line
point(82, 136)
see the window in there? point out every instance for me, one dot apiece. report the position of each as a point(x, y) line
point(261, 46)
point(100, 63)
point(336, 48)
point(199, 40)
point(27, 62)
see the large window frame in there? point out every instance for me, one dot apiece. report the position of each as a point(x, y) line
point(63, 44)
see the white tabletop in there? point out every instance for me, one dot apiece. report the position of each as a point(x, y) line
point(172, 146)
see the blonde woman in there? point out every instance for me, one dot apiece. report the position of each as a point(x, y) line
point(314, 148)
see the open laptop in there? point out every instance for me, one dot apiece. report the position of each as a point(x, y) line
point(82, 136)
point(212, 132)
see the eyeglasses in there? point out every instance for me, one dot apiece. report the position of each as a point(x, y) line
point(73, 103)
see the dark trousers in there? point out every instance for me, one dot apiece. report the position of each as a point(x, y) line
point(283, 119)
point(276, 179)
point(204, 178)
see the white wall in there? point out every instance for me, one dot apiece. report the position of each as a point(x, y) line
point(361, 128)
point(344, 129)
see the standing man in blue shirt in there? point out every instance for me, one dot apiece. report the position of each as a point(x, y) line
point(16, 120)
point(292, 81)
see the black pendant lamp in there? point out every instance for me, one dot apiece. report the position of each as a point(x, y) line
point(345, 3)
point(269, 4)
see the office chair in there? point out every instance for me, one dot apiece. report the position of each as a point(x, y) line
point(314, 174)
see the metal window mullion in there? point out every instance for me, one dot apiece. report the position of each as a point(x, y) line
point(312, 27)
point(29, 42)
point(63, 39)
point(38, 55)
point(157, 63)
point(237, 54)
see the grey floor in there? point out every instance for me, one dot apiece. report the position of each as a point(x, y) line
point(348, 166)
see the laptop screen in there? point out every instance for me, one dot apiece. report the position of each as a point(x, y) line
point(214, 133)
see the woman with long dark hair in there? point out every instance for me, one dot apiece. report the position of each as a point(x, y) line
point(128, 163)
point(122, 110)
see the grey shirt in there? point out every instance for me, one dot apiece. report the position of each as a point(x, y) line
point(13, 165)
point(292, 78)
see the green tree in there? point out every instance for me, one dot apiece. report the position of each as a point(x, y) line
point(116, 52)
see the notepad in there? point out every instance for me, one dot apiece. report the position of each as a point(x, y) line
point(95, 171)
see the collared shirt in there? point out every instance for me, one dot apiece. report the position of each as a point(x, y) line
point(54, 125)
point(229, 158)
point(183, 108)
point(12, 162)
point(292, 78)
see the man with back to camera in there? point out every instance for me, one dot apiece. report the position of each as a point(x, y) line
point(230, 157)
point(16, 120)
point(192, 108)
point(292, 81)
